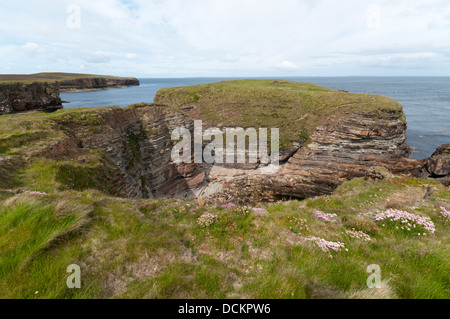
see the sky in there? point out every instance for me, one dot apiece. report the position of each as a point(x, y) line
point(226, 38)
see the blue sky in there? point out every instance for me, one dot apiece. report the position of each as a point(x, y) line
point(179, 38)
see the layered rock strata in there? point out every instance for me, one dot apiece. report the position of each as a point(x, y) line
point(438, 165)
point(96, 83)
point(36, 92)
point(339, 151)
point(21, 97)
point(137, 145)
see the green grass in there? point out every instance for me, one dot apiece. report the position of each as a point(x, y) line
point(157, 249)
point(25, 139)
point(291, 106)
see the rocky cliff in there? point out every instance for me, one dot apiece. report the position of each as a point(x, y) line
point(98, 83)
point(19, 97)
point(438, 165)
point(124, 152)
point(348, 135)
point(138, 143)
point(343, 149)
point(21, 92)
point(127, 152)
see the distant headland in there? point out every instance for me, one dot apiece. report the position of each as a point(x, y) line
point(40, 91)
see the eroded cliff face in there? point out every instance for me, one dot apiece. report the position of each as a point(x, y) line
point(20, 97)
point(132, 150)
point(43, 95)
point(137, 145)
point(96, 83)
point(438, 165)
point(351, 139)
point(346, 147)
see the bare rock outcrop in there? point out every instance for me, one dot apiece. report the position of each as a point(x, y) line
point(349, 137)
point(20, 97)
point(438, 165)
point(343, 149)
point(137, 144)
point(40, 92)
point(96, 83)
point(351, 141)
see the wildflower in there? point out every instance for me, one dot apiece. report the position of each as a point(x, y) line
point(260, 210)
point(229, 205)
point(243, 210)
point(325, 217)
point(35, 193)
point(403, 217)
point(445, 212)
point(207, 219)
point(326, 245)
point(297, 224)
point(358, 235)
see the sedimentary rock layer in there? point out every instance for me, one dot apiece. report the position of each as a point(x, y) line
point(339, 151)
point(438, 165)
point(137, 143)
point(96, 83)
point(135, 146)
point(20, 97)
point(21, 92)
point(349, 137)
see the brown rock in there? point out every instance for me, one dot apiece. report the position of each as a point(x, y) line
point(439, 163)
point(20, 97)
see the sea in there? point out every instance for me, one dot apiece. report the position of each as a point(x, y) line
point(426, 101)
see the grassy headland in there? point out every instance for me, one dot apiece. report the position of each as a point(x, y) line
point(56, 212)
point(296, 108)
point(51, 77)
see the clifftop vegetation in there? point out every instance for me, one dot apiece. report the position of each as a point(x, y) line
point(52, 77)
point(57, 208)
point(296, 108)
point(172, 249)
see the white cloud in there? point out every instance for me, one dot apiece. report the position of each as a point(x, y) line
point(287, 65)
point(229, 37)
point(230, 58)
point(31, 49)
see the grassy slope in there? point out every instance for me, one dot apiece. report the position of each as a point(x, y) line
point(27, 135)
point(296, 108)
point(50, 77)
point(156, 249)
